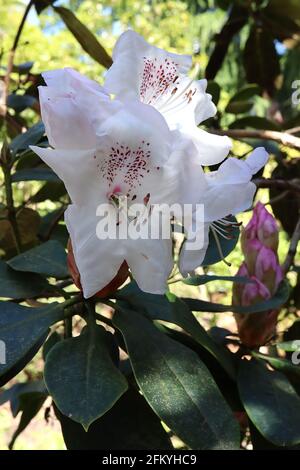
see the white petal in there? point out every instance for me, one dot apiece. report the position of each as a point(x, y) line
point(68, 79)
point(186, 104)
point(220, 201)
point(136, 122)
point(65, 123)
point(77, 169)
point(136, 67)
point(232, 171)
point(130, 40)
point(257, 159)
point(190, 260)
point(150, 262)
point(98, 261)
point(212, 149)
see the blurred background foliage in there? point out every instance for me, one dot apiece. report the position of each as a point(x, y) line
point(250, 53)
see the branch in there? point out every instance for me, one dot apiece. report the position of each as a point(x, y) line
point(290, 185)
point(5, 163)
point(283, 138)
point(292, 248)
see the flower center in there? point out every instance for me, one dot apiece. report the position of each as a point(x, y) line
point(157, 77)
point(125, 167)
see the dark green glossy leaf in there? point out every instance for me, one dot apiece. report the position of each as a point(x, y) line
point(35, 174)
point(49, 258)
point(17, 285)
point(84, 364)
point(20, 102)
point(177, 385)
point(246, 93)
point(30, 137)
point(214, 89)
point(52, 339)
point(23, 361)
point(41, 5)
point(271, 403)
point(23, 68)
point(84, 36)
point(236, 20)
point(31, 397)
point(238, 107)
point(171, 309)
point(275, 302)
point(279, 363)
point(129, 425)
point(21, 328)
point(254, 122)
point(51, 190)
point(289, 346)
point(261, 60)
point(201, 279)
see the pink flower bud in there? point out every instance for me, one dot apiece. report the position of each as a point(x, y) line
point(238, 287)
point(255, 329)
point(262, 227)
point(267, 269)
point(251, 249)
point(255, 292)
point(259, 242)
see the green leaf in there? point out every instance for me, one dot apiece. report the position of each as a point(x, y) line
point(23, 68)
point(83, 364)
point(214, 89)
point(41, 5)
point(16, 285)
point(238, 107)
point(23, 361)
point(52, 190)
point(135, 427)
point(35, 174)
point(261, 60)
point(52, 340)
point(213, 254)
point(271, 403)
point(21, 329)
point(177, 385)
point(20, 102)
point(49, 259)
point(84, 36)
point(201, 279)
point(30, 137)
point(279, 298)
point(236, 20)
point(246, 93)
point(254, 122)
point(289, 346)
point(173, 310)
point(30, 398)
point(279, 363)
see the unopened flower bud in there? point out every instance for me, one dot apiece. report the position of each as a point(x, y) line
point(267, 269)
point(238, 287)
point(262, 227)
point(255, 329)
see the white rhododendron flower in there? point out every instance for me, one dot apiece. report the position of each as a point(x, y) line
point(105, 150)
point(159, 78)
point(136, 140)
point(229, 191)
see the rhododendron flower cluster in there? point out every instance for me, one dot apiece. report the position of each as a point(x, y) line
point(137, 138)
point(259, 242)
